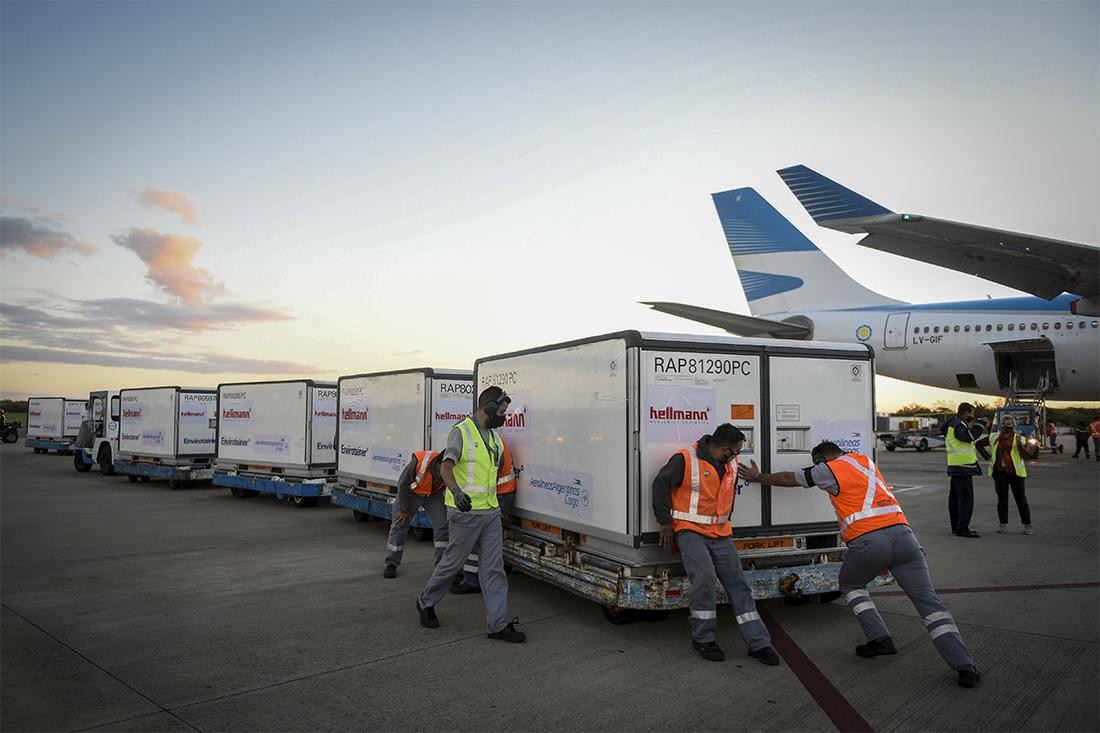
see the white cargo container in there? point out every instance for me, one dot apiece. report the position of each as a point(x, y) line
point(385, 417)
point(167, 425)
point(284, 428)
point(592, 421)
point(55, 418)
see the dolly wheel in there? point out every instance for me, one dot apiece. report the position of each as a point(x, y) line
point(619, 616)
point(238, 493)
point(360, 516)
point(133, 479)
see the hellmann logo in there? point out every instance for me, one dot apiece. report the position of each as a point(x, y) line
point(323, 412)
point(351, 413)
point(515, 420)
point(447, 416)
point(671, 413)
point(192, 413)
point(131, 412)
point(235, 413)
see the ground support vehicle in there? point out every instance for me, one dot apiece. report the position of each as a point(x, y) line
point(385, 417)
point(592, 421)
point(177, 476)
point(97, 442)
point(301, 492)
point(11, 430)
point(921, 440)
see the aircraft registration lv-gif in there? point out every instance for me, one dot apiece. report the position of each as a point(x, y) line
point(1044, 345)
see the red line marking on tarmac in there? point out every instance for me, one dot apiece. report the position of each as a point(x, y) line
point(1001, 588)
point(845, 717)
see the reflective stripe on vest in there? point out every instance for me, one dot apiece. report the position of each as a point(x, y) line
point(691, 489)
point(476, 469)
point(423, 483)
point(1017, 460)
point(864, 501)
point(959, 453)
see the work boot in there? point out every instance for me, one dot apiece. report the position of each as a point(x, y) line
point(427, 616)
point(509, 633)
point(877, 648)
point(709, 651)
point(967, 533)
point(1003, 529)
point(969, 677)
point(766, 656)
point(390, 571)
point(1028, 529)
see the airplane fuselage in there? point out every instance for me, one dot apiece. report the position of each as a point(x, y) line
point(954, 345)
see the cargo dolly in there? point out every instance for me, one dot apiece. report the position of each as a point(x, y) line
point(177, 476)
point(373, 503)
point(301, 492)
point(45, 445)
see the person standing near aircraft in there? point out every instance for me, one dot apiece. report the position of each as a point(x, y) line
point(962, 466)
point(1081, 438)
point(878, 536)
point(1008, 471)
point(1052, 436)
point(693, 496)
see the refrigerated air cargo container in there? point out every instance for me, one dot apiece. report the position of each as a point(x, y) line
point(592, 421)
point(385, 417)
point(166, 433)
point(53, 423)
point(277, 437)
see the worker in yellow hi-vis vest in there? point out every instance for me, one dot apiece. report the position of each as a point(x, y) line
point(472, 464)
point(959, 434)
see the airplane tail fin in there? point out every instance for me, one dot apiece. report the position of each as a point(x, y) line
point(829, 203)
point(780, 269)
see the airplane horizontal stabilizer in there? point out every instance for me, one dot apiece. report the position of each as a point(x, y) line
point(733, 322)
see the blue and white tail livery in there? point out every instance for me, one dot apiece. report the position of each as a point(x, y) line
point(780, 269)
point(991, 346)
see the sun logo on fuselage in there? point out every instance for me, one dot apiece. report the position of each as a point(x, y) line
point(863, 333)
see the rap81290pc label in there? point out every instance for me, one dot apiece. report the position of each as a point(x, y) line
point(702, 365)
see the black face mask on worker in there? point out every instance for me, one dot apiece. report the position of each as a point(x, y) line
point(495, 421)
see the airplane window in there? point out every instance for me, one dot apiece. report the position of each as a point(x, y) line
point(946, 329)
point(936, 329)
point(966, 328)
point(1081, 324)
point(1000, 327)
point(989, 327)
point(1096, 324)
point(1046, 326)
point(1069, 324)
point(1034, 326)
point(1012, 327)
point(926, 329)
point(1023, 326)
point(957, 329)
point(1057, 325)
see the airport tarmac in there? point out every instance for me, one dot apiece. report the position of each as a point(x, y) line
point(135, 607)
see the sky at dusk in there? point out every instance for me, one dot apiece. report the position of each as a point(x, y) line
point(205, 192)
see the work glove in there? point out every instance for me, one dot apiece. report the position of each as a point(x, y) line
point(462, 500)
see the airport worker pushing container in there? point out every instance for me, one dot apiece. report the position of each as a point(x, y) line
point(878, 536)
point(277, 437)
point(602, 415)
point(386, 419)
point(472, 464)
point(693, 498)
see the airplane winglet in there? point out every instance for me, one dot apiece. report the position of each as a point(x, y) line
point(825, 199)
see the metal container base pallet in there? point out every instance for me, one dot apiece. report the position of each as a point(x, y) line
point(45, 445)
point(176, 476)
point(181, 462)
point(296, 473)
point(375, 505)
point(304, 492)
point(622, 595)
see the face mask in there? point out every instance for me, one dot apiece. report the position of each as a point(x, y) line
point(495, 421)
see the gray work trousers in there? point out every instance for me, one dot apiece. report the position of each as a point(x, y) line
point(896, 549)
point(480, 533)
point(469, 568)
point(437, 512)
point(705, 560)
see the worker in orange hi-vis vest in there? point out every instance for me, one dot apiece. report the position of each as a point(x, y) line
point(1094, 433)
point(467, 581)
point(693, 497)
point(878, 536)
point(420, 485)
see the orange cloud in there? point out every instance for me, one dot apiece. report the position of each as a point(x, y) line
point(173, 201)
point(169, 259)
point(35, 238)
